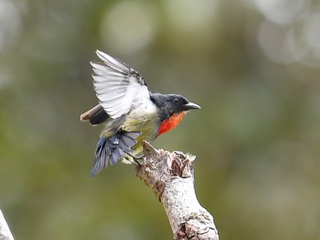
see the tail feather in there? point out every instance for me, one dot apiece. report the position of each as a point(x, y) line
point(128, 141)
point(112, 149)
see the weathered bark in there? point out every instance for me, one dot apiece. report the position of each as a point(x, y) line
point(171, 177)
point(5, 233)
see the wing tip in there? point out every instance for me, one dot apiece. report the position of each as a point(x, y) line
point(103, 56)
point(113, 62)
point(100, 53)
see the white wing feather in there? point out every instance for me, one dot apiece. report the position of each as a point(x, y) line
point(117, 86)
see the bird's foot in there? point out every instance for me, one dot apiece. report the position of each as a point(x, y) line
point(134, 159)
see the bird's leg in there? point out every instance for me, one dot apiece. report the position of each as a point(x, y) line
point(135, 158)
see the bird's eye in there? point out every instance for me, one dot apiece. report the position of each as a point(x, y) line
point(176, 100)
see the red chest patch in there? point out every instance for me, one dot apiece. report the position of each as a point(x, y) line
point(171, 123)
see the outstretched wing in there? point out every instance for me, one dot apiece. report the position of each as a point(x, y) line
point(117, 85)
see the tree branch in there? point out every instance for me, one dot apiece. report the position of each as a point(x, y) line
point(171, 177)
point(5, 233)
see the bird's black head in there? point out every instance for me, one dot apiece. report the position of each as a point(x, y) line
point(170, 104)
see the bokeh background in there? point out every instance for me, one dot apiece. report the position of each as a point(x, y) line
point(253, 66)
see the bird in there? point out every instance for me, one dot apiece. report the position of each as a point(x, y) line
point(131, 113)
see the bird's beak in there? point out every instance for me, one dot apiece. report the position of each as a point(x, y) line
point(191, 105)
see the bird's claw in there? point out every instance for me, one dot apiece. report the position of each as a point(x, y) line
point(135, 158)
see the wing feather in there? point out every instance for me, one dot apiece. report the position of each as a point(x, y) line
point(113, 62)
point(117, 85)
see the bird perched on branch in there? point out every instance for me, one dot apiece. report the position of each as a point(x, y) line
point(131, 112)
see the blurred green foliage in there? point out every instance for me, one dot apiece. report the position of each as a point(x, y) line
point(253, 66)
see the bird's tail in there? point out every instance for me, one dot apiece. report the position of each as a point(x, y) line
point(111, 149)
